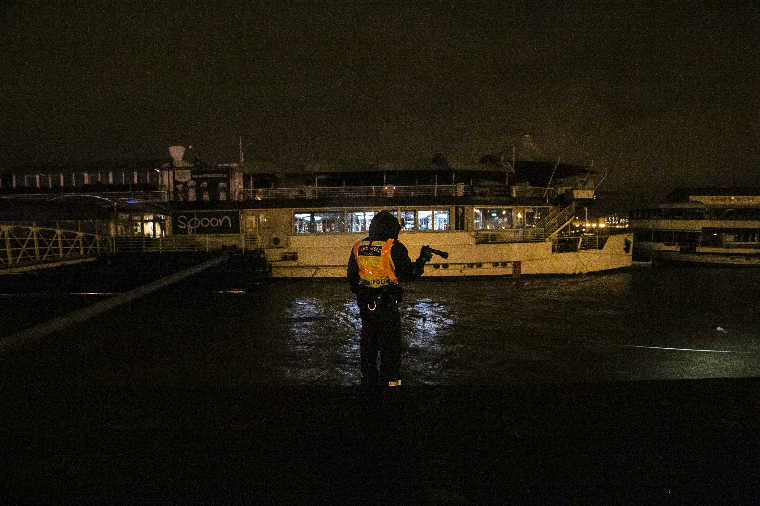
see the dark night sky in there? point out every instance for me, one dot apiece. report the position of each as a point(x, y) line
point(662, 94)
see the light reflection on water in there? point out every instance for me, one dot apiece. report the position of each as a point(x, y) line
point(618, 326)
point(424, 324)
point(322, 331)
point(632, 325)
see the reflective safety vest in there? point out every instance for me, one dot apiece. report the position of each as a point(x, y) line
point(376, 267)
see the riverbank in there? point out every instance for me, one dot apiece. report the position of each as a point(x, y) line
point(35, 296)
point(122, 272)
point(641, 442)
point(205, 394)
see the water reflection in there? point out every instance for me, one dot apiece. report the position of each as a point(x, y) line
point(425, 323)
point(430, 319)
point(495, 331)
point(324, 334)
point(323, 340)
point(653, 324)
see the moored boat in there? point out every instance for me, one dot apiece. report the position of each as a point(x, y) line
point(488, 225)
point(494, 217)
point(701, 226)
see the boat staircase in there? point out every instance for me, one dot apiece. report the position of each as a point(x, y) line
point(551, 225)
point(545, 230)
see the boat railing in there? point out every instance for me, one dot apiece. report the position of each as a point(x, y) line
point(118, 196)
point(579, 241)
point(351, 192)
point(527, 234)
point(179, 243)
point(533, 193)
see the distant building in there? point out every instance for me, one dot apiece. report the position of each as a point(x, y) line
point(151, 180)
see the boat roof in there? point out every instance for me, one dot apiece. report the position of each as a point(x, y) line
point(535, 173)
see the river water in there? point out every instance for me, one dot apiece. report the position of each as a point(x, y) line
point(640, 324)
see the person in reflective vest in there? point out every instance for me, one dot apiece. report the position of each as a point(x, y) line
point(375, 267)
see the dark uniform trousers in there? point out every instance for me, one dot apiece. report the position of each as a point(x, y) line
point(380, 335)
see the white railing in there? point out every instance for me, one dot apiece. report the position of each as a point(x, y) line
point(25, 246)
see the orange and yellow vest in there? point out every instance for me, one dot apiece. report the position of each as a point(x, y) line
point(376, 267)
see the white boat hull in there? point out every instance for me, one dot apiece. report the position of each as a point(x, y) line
point(327, 256)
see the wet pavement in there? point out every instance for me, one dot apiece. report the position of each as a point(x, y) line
point(205, 393)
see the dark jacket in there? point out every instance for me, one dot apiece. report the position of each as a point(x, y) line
point(383, 227)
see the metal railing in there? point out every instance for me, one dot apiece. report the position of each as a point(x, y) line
point(546, 229)
point(23, 247)
point(181, 243)
point(508, 235)
point(556, 221)
point(26, 246)
point(352, 192)
point(124, 196)
point(533, 193)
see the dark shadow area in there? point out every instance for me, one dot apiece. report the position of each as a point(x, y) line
point(116, 273)
point(646, 443)
point(196, 396)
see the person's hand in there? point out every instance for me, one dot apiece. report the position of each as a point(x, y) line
point(426, 254)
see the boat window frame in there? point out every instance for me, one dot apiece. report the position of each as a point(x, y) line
point(348, 212)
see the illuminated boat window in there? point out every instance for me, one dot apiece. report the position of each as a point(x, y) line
point(302, 223)
point(425, 220)
point(440, 220)
point(358, 221)
point(499, 218)
point(408, 220)
point(329, 222)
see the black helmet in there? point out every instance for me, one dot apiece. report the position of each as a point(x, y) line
point(383, 227)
